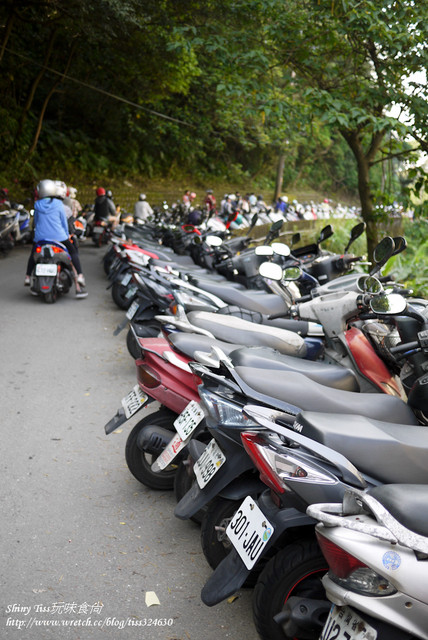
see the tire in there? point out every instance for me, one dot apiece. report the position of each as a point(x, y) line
point(139, 462)
point(50, 297)
point(183, 482)
point(132, 346)
point(108, 259)
point(215, 543)
point(296, 570)
point(118, 293)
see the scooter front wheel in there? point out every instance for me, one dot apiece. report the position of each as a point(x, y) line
point(139, 462)
point(296, 570)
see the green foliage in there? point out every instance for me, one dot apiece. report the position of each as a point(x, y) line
point(220, 88)
point(411, 266)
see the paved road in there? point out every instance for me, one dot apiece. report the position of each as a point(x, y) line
point(83, 543)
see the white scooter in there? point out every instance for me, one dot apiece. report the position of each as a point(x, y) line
point(376, 545)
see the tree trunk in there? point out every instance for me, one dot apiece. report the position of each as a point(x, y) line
point(8, 29)
point(378, 224)
point(279, 176)
point(34, 85)
point(45, 105)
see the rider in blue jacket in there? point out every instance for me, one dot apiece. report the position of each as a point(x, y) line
point(50, 223)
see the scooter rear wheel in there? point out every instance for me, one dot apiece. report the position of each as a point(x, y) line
point(139, 462)
point(214, 541)
point(118, 293)
point(50, 297)
point(296, 570)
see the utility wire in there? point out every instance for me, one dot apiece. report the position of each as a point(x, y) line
point(102, 91)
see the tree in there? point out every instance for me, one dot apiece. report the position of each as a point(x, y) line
point(343, 63)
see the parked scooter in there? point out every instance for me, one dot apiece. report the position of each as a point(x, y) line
point(245, 360)
point(315, 458)
point(376, 544)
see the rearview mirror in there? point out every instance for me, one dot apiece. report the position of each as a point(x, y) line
point(280, 249)
point(400, 244)
point(295, 238)
point(356, 232)
point(276, 226)
point(292, 273)
point(325, 233)
point(369, 284)
point(263, 250)
point(391, 304)
point(213, 241)
point(382, 252)
point(271, 270)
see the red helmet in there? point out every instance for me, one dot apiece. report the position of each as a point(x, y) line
point(100, 191)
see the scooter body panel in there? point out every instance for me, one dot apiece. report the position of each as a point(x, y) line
point(369, 363)
point(177, 384)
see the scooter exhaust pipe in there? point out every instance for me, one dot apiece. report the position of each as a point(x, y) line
point(153, 439)
point(303, 617)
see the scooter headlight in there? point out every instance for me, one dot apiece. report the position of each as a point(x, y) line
point(223, 411)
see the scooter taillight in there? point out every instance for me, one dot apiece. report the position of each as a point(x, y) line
point(341, 562)
point(260, 455)
point(57, 250)
point(351, 574)
point(148, 377)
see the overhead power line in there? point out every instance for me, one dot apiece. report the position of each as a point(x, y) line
point(102, 91)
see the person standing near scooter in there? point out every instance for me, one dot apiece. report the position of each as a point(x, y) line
point(50, 224)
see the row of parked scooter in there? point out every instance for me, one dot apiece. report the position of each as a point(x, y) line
point(293, 392)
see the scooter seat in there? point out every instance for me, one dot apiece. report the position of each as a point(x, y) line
point(388, 452)
point(405, 502)
point(266, 303)
point(238, 331)
point(297, 390)
point(329, 375)
point(189, 343)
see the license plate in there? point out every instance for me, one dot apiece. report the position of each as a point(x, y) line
point(209, 463)
point(132, 310)
point(344, 624)
point(126, 278)
point(131, 292)
point(249, 532)
point(188, 419)
point(174, 446)
point(134, 401)
point(46, 269)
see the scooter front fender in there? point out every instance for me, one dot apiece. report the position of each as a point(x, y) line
point(231, 573)
point(235, 465)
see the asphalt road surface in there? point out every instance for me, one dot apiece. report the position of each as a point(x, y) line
point(84, 546)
